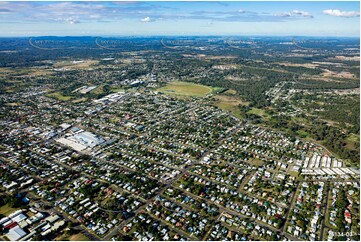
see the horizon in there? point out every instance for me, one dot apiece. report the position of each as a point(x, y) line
point(155, 18)
point(145, 36)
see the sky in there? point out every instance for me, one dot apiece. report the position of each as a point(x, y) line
point(102, 18)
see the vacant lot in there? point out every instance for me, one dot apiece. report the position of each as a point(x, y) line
point(6, 210)
point(98, 90)
point(75, 237)
point(256, 162)
point(354, 138)
point(352, 142)
point(259, 112)
point(186, 89)
point(230, 103)
point(80, 65)
point(306, 65)
point(342, 74)
point(59, 96)
point(78, 237)
point(118, 90)
point(83, 99)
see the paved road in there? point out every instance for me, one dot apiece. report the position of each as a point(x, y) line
point(290, 208)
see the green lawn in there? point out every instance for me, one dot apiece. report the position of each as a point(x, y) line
point(293, 173)
point(59, 96)
point(256, 162)
point(118, 90)
point(353, 138)
point(230, 107)
point(230, 103)
point(186, 89)
point(302, 133)
point(259, 112)
point(6, 210)
point(98, 90)
point(352, 142)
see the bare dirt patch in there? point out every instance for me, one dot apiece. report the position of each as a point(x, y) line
point(347, 58)
point(342, 74)
point(83, 64)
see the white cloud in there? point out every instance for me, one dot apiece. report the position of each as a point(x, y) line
point(69, 20)
point(302, 13)
point(145, 20)
point(285, 14)
point(295, 14)
point(339, 13)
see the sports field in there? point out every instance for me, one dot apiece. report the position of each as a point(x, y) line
point(186, 89)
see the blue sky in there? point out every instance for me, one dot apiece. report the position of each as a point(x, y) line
point(290, 18)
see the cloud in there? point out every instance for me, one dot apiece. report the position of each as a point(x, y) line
point(295, 14)
point(68, 20)
point(285, 14)
point(339, 13)
point(302, 13)
point(79, 12)
point(89, 12)
point(145, 20)
point(71, 20)
point(243, 16)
